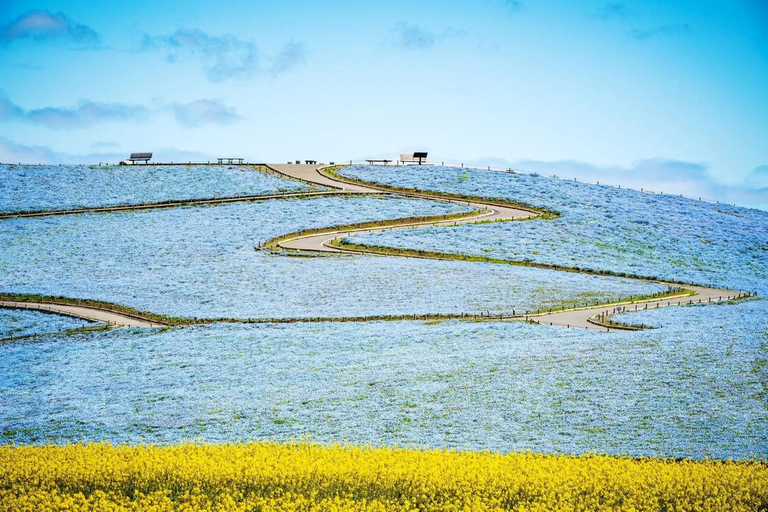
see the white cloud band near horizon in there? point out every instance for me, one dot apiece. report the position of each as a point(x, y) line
point(658, 175)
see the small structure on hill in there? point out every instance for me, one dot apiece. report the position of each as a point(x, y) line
point(417, 157)
point(137, 157)
point(231, 160)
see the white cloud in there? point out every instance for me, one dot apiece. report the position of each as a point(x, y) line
point(204, 111)
point(415, 37)
point(224, 57)
point(86, 114)
point(46, 26)
point(11, 152)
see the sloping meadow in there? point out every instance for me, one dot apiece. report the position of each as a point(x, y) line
point(695, 388)
point(600, 227)
point(37, 188)
point(202, 262)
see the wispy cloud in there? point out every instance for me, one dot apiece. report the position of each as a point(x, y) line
point(664, 30)
point(758, 177)
point(90, 113)
point(46, 26)
point(415, 37)
point(293, 54)
point(87, 113)
point(612, 11)
point(205, 111)
point(223, 57)
point(9, 110)
point(12, 152)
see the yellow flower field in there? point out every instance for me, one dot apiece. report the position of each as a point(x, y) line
point(307, 476)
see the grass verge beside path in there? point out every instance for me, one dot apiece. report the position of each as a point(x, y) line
point(345, 244)
point(170, 321)
point(274, 243)
point(307, 476)
point(171, 204)
point(94, 304)
point(542, 213)
point(66, 332)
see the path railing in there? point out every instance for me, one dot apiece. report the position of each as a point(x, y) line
point(604, 318)
point(610, 183)
point(48, 309)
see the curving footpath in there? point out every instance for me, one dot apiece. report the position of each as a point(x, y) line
point(321, 242)
point(86, 313)
point(596, 317)
point(577, 317)
point(583, 318)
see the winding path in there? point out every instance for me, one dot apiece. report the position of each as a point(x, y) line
point(86, 313)
point(577, 317)
point(321, 243)
point(580, 318)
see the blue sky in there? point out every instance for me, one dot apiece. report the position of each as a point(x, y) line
point(668, 95)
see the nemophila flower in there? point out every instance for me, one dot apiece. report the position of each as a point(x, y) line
point(679, 391)
point(18, 323)
point(600, 227)
point(35, 188)
point(200, 262)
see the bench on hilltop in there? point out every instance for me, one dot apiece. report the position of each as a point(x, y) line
point(231, 160)
point(378, 161)
point(140, 157)
point(418, 157)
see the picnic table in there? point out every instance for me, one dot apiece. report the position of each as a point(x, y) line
point(230, 160)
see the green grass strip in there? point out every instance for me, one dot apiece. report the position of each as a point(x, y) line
point(273, 243)
point(543, 213)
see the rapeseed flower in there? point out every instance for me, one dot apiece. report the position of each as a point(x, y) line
point(304, 476)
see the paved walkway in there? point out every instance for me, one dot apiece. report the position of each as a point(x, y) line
point(321, 242)
point(579, 318)
point(309, 173)
point(85, 313)
point(489, 211)
point(574, 318)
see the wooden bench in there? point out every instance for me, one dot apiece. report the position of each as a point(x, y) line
point(418, 157)
point(231, 160)
point(379, 161)
point(140, 157)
